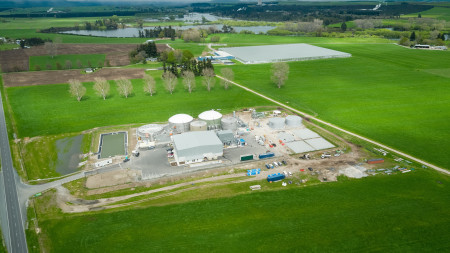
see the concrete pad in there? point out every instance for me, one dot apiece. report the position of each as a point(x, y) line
point(305, 134)
point(319, 143)
point(299, 147)
point(286, 137)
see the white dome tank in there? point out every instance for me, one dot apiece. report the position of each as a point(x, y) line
point(180, 122)
point(276, 123)
point(293, 121)
point(212, 118)
point(148, 132)
point(229, 124)
point(199, 125)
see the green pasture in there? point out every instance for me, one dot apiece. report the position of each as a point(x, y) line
point(397, 213)
point(8, 46)
point(86, 60)
point(43, 23)
point(436, 12)
point(397, 96)
point(49, 109)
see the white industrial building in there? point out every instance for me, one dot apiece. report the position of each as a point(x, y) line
point(198, 146)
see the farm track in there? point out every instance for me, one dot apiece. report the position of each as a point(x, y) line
point(442, 170)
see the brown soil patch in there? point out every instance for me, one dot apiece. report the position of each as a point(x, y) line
point(117, 54)
point(63, 76)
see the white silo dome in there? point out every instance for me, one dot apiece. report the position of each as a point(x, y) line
point(293, 121)
point(210, 115)
point(180, 119)
point(276, 123)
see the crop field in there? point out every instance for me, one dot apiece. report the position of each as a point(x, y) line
point(397, 96)
point(77, 61)
point(397, 213)
point(49, 109)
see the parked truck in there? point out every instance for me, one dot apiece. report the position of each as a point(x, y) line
point(266, 155)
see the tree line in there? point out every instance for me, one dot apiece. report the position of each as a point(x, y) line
point(125, 88)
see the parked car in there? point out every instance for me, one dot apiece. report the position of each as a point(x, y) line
point(267, 166)
point(310, 169)
point(284, 162)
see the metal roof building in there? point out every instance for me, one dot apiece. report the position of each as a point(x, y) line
point(227, 137)
point(281, 53)
point(194, 147)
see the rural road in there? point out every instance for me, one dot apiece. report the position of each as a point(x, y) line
point(11, 215)
point(340, 129)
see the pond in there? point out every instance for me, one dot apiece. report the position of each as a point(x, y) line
point(69, 150)
point(134, 32)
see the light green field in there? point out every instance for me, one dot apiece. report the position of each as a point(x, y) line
point(397, 213)
point(49, 109)
point(436, 12)
point(397, 96)
point(8, 46)
point(95, 60)
point(43, 23)
point(113, 144)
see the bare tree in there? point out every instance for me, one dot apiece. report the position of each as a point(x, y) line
point(189, 80)
point(280, 72)
point(101, 87)
point(170, 81)
point(178, 55)
point(124, 86)
point(228, 74)
point(79, 64)
point(77, 89)
point(52, 47)
point(209, 78)
point(149, 84)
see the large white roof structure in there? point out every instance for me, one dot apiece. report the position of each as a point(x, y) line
point(197, 145)
point(279, 53)
point(210, 115)
point(180, 119)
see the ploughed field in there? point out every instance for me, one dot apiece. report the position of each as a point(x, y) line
point(397, 213)
point(394, 95)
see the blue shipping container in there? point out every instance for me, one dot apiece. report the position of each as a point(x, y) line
point(275, 177)
point(266, 155)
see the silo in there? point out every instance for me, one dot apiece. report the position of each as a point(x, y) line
point(179, 123)
point(276, 123)
point(199, 125)
point(293, 121)
point(148, 132)
point(229, 124)
point(212, 118)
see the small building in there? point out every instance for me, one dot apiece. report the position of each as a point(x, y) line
point(227, 137)
point(422, 46)
point(193, 147)
point(89, 70)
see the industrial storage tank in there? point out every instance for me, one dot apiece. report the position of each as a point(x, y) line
point(179, 123)
point(293, 121)
point(276, 123)
point(212, 118)
point(148, 132)
point(199, 125)
point(229, 124)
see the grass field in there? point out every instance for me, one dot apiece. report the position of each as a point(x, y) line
point(398, 213)
point(398, 96)
point(436, 12)
point(49, 110)
point(86, 60)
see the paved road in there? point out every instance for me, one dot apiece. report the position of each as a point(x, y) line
point(343, 130)
point(16, 240)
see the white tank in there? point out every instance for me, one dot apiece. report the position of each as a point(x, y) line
point(293, 121)
point(179, 123)
point(276, 123)
point(229, 124)
point(199, 125)
point(148, 132)
point(212, 118)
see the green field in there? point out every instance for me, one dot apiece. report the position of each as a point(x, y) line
point(49, 110)
point(436, 12)
point(86, 60)
point(397, 213)
point(397, 96)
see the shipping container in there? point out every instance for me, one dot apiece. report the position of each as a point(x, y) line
point(373, 161)
point(275, 177)
point(247, 157)
point(266, 155)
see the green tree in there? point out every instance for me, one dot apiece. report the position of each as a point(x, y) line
point(343, 27)
point(413, 36)
point(419, 16)
point(280, 72)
